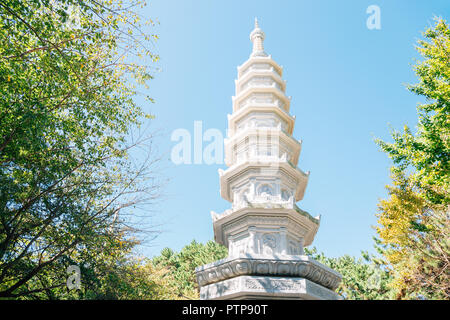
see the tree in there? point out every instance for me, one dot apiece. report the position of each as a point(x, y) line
point(68, 78)
point(181, 266)
point(413, 223)
point(365, 278)
point(131, 278)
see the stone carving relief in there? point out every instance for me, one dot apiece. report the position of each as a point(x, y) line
point(273, 285)
point(294, 248)
point(285, 194)
point(269, 242)
point(242, 198)
point(238, 247)
point(291, 268)
point(261, 285)
point(265, 190)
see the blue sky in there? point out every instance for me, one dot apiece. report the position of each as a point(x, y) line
point(347, 85)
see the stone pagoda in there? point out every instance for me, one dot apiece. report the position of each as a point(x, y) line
point(264, 230)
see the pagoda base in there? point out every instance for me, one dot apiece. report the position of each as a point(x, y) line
point(266, 288)
point(255, 276)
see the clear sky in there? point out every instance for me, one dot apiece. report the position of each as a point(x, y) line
point(347, 85)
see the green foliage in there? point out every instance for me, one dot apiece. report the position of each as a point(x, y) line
point(67, 86)
point(181, 266)
point(427, 153)
point(133, 278)
point(414, 222)
point(362, 279)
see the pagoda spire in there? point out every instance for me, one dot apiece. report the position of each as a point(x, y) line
point(257, 37)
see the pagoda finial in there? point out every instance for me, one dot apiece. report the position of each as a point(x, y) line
point(257, 37)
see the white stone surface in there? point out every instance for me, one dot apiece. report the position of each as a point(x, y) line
point(266, 287)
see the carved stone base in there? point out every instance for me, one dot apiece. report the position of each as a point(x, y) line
point(268, 265)
point(266, 287)
point(251, 276)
